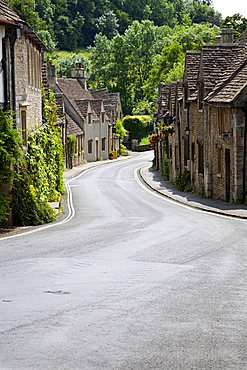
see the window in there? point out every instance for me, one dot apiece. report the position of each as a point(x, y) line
point(90, 146)
point(200, 159)
point(33, 66)
point(24, 126)
point(103, 144)
point(89, 118)
point(28, 64)
point(103, 117)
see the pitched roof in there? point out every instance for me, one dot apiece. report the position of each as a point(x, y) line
point(216, 60)
point(73, 89)
point(100, 94)
point(163, 99)
point(192, 62)
point(242, 39)
point(230, 88)
point(72, 127)
point(8, 15)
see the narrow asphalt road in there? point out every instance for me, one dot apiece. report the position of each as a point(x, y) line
point(131, 282)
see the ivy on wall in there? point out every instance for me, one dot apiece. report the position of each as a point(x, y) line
point(36, 177)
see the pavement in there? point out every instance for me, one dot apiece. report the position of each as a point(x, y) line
point(155, 181)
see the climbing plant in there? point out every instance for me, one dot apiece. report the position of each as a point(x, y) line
point(10, 154)
point(28, 182)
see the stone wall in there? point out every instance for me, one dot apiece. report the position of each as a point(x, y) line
point(28, 62)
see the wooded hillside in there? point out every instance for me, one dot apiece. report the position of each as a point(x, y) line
point(74, 23)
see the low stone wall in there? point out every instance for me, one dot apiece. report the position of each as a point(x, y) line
point(142, 148)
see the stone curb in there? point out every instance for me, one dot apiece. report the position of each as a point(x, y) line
point(179, 199)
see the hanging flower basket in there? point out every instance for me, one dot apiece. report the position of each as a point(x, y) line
point(166, 131)
point(154, 138)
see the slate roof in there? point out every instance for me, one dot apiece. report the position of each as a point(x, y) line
point(72, 127)
point(73, 89)
point(216, 60)
point(192, 62)
point(228, 91)
point(82, 105)
point(100, 94)
point(8, 15)
point(242, 39)
point(163, 100)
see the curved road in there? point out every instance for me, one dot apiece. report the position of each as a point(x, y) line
point(131, 282)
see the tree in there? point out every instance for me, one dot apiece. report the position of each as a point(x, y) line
point(107, 24)
point(237, 22)
point(138, 126)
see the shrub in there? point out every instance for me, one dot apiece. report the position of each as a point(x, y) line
point(182, 183)
point(138, 126)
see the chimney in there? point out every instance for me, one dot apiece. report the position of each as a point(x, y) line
point(79, 73)
point(227, 36)
point(218, 40)
point(51, 73)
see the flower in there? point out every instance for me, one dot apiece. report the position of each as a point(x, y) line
point(154, 138)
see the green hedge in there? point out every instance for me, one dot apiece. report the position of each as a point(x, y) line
point(138, 126)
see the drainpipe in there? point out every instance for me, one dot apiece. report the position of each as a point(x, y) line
point(179, 147)
point(12, 56)
point(245, 151)
point(5, 77)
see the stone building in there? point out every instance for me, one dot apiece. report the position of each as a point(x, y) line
point(210, 135)
point(90, 115)
point(21, 53)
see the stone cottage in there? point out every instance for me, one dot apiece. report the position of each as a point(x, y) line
point(90, 115)
point(209, 137)
point(21, 53)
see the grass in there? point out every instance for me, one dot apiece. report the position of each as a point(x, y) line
point(144, 141)
point(60, 54)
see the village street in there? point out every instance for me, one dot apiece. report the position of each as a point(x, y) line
point(131, 281)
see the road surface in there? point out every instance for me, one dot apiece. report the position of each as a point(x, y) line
point(130, 281)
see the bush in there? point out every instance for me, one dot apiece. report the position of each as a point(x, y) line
point(122, 150)
point(182, 183)
point(138, 126)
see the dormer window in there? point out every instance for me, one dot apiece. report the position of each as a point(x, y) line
point(103, 117)
point(90, 118)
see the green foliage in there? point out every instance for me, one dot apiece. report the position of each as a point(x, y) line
point(138, 126)
point(10, 153)
point(144, 141)
point(165, 166)
point(122, 150)
point(64, 65)
point(183, 183)
point(145, 56)
point(71, 145)
point(35, 178)
point(120, 130)
point(237, 22)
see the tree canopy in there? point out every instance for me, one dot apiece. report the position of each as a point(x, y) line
point(74, 23)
